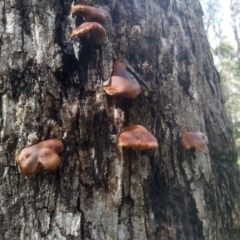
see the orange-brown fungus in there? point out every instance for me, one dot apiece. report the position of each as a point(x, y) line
point(92, 31)
point(89, 13)
point(137, 137)
point(43, 155)
point(193, 139)
point(122, 82)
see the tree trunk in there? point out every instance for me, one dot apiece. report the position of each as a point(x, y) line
point(52, 87)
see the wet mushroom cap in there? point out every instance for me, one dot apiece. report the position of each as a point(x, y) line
point(27, 161)
point(43, 155)
point(137, 137)
point(49, 159)
point(89, 13)
point(92, 31)
point(193, 139)
point(122, 82)
point(53, 144)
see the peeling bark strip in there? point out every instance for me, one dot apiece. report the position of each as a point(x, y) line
point(51, 86)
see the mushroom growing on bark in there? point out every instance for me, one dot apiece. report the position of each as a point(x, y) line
point(92, 31)
point(90, 14)
point(193, 139)
point(43, 155)
point(122, 82)
point(137, 137)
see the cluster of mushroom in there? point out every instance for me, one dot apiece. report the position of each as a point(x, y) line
point(123, 83)
point(45, 154)
point(91, 29)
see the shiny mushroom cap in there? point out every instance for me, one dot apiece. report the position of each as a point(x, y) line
point(193, 139)
point(92, 31)
point(89, 13)
point(137, 137)
point(43, 155)
point(122, 82)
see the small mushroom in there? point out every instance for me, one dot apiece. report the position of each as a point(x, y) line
point(92, 31)
point(122, 82)
point(137, 137)
point(43, 155)
point(90, 14)
point(193, 139)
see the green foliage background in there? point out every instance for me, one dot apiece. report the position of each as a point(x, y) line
point(226, 53)
point(229, 69)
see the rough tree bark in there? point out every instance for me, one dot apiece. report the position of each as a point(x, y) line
point(52, 87)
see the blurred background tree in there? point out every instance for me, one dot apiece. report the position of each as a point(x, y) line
point(222, 25)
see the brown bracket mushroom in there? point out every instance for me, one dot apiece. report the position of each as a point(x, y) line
point(92, 31)
point(90, 14)
point(193, 139)
point(122, 82)
point(43, 155)
point(137, 137)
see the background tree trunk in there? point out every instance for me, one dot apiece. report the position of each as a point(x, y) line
point(52, 87)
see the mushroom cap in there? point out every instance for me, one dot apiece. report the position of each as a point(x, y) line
point(122, 82)
point(43, 155)
point(137, 137)
point(193, 139)
point(27, 159)
point(91, 30)
point(89, 13)
point(49, 159)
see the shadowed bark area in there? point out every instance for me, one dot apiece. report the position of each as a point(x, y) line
point(51, 86)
